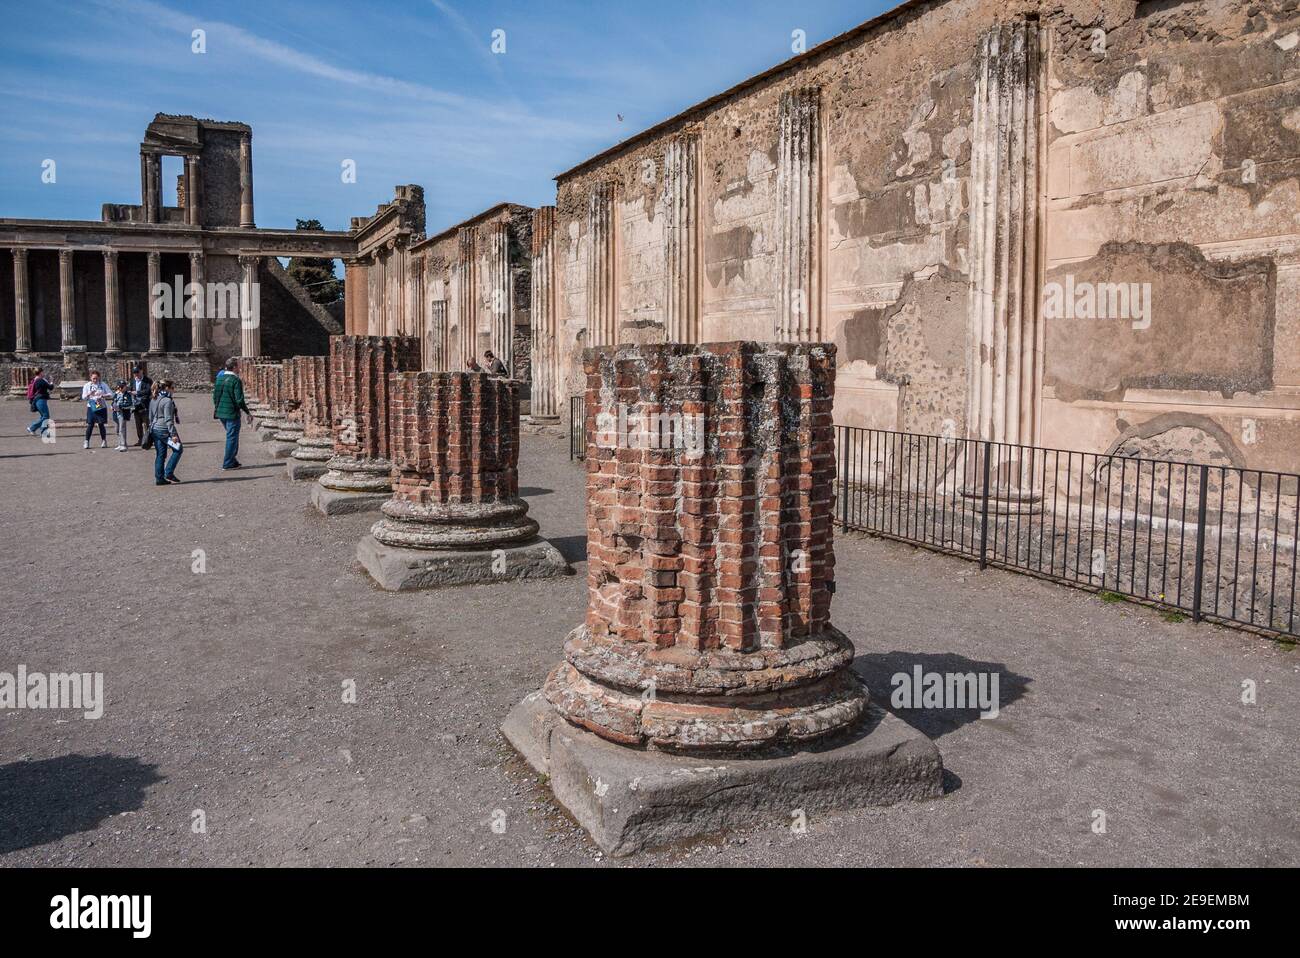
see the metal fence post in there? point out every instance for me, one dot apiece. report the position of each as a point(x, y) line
point(984, 508)
point(844, 476)
point(1200, 542)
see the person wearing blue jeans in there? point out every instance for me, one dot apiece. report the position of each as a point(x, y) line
point(232, 443)
point(40, 402)
point(163, 419)
point(227, 403)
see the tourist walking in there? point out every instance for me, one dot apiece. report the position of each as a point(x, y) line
point(494, 366)
point(142, 386)
point(227, 403)
point(38, 393)
point(164, 417)
point(96, 396)
point(123, 406)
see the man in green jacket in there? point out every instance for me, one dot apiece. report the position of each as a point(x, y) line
point(227, 402)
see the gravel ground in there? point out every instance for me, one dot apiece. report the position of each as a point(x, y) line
point(224, 693)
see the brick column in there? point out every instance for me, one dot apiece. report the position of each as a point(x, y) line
point(455, 516)
point(67, 299)
point(292, 429)
point(270, 379)
point(317, 442)
point(710, 563)
point(22, 305)
point(115, 332)
point(157, 341)
point(359, 384)
point(455, 453)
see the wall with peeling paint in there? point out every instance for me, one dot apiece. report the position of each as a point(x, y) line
point(1163, 143)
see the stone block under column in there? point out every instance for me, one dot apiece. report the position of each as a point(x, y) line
point(632, 799)
point(337, 502)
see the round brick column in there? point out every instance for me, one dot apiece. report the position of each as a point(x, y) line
point(292, 429)
point(317, 441)
point(454, 445)
point(270, 378)
point(360, 367)
point(710, 475)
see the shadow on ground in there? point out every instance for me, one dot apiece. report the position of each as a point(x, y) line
point(573, 548)
point(878, 670)
point(44, 800)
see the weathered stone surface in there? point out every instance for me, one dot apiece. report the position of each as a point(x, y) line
point(297, 469)
point(631, 799)
point(333, 502)
point(400, 569)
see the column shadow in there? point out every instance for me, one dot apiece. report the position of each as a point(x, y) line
point(42, 801)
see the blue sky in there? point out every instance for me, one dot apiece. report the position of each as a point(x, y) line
point(409, 90)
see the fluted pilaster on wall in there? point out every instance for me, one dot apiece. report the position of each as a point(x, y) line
point(467, 295)
point(499, 281)
point(602, 265)
point(436, 343)
point(544, 313)
point(799, 185)
point(681, 205)
point(1004, 342)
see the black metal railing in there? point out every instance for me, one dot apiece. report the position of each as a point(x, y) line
point(577, 427)
point(1213, 540)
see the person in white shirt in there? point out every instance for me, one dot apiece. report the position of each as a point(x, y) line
point(96, 395)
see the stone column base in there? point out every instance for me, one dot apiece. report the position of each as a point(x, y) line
point(352, 485)
point(310, 457)
point(299, 469)
point(333, 502)
point(646, 799)
point(403, 570)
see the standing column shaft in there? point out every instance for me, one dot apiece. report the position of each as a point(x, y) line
point(22, 308)
point(192, 188)
point(198, 304)
point(250, 313)
point(157, 336)
point(67, 299)
point(246, 180)
point(112, 304)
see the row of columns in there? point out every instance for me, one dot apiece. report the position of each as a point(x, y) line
point(114, 321)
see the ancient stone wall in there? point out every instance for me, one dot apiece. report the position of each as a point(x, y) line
point(915, 191)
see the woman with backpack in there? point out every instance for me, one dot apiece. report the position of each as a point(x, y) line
point(38, 397)
point(163, 420)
